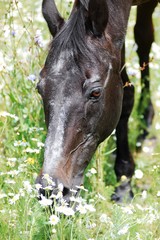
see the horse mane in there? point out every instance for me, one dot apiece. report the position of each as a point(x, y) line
point(72, 36)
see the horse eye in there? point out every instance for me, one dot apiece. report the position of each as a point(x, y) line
point(95, 94)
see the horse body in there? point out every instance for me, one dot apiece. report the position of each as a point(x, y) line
point(144, 40)
point(82, 90)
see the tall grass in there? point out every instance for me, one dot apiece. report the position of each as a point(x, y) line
point(24, 39)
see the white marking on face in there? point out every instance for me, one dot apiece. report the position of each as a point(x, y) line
point(55, 140)
point(58, 66)
point(64, 56)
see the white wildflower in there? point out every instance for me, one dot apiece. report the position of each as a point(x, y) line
point(127, 209)
point(91, 200)
point(6, 114)
point(21, 143)
point(35, 175)
point(60, 187)
point(59, 195)
point(2, 173)
point(35, 129)
point(3, 195)
point(12, 159)
point(138, 237)
point(73, 199)
point(151, 218)
point(14, 199)
point(19, 5)
point(138, 144)
point(91, 225)
point(13, 173)
point(100, 197)
point(34, 139)
point(155, 167)
point(27, 186)
point(48, 188)
point(30, 150)
point(9, 181)
point(158, 194)
point(156, 50)
point(140, 220)
point(81, 208)
point(21, 192)
point(53, 220)
point(146, 149)
point(22, 167)
point(73, 190)
point(38, 186)
point(144, 194)
point(139, 207)
point(76, 199)
point(90, 207)
point(124, 230)
point(157, 126)
point(91, 172)
point(138, 174)
point(64, 202)
point(40, 144)
point(104, 218)
point(82, 188)
point(45, 201)
point(157, 103)
point(54, 231)
point(53, 196)
point(3, 211)
point(48, 179)
point(11, 164)
point(10, 194)
point(65, 210)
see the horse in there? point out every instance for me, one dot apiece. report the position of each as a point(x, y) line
point(144, 37)
point(144, 42)
point(85, 94)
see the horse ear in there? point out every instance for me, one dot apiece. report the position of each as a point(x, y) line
point(98, 15)
point(52, 16)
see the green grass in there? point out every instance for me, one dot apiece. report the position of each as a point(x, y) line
point(22, 134)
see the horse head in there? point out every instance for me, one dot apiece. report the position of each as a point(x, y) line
point(81, 88)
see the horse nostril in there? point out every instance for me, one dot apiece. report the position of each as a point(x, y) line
point(44, 189)
point(51, 188)
point(65, 191)
point(41, 192)
point(54, 193)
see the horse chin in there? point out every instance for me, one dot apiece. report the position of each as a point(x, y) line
point(65, 180)
point(49, 187)
point(57, 192)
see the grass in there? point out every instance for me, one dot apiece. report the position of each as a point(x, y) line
point(24, 37)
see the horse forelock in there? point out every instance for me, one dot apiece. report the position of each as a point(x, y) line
point(72, 37)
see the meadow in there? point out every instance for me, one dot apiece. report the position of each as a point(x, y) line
point(24, 40)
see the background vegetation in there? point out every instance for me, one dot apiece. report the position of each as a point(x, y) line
point(23, 47)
